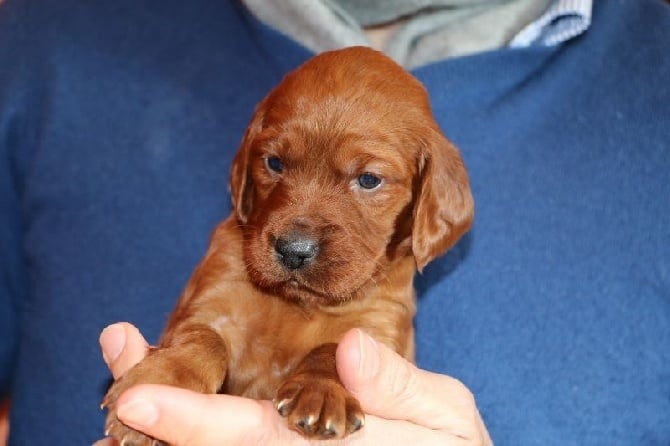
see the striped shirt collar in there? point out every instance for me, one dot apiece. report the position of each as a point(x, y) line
point(319, 26)
point(563, 20)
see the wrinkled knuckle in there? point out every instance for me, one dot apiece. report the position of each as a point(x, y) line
point(404, 383)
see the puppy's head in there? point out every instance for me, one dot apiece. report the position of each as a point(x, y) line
point(342, 171)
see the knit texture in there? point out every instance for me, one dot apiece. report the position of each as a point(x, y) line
point(118, 122)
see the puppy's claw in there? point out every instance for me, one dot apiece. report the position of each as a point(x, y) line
point(329, 431)
point(307, 426)
point(318, 407)
point(289, 397)
point(282, 407)
point(285, 406)
point(108, 429)
point(357, 424)
point(355, 417)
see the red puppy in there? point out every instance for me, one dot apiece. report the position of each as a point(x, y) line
point(342, 188)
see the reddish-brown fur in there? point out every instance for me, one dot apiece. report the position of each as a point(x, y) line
point(247, 324)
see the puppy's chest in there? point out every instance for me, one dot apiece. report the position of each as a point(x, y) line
point(264, 347)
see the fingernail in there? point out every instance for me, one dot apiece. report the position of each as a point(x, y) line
point(368, 365)
point(112, 341)
point(138, 413)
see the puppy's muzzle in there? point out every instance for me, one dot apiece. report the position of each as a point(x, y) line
point(296, 251)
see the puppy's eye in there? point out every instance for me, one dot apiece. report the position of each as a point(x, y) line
point(369, 181)
point(274, 164)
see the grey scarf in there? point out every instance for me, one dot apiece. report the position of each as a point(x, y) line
point(422, 31)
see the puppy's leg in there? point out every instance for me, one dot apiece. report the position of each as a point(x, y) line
point(192, 356)
point(315, 402)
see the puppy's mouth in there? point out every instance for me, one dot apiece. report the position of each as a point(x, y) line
point(305, 264)
point(308, 284)
point(296, 289)
point(299, 290)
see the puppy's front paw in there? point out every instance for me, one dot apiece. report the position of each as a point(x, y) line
point(125, 435)
point(318, 407)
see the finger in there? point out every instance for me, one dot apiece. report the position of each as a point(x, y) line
point(122, 346)
point(181, 417)
point(106, 442)
point(388, 386)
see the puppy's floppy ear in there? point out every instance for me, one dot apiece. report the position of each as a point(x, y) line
point(241, 185)
point(444, 207)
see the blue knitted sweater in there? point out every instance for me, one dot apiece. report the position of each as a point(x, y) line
point(118, 121)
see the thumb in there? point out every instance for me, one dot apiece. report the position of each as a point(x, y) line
point(182, 417)
point(391, 387)
point(122, 346)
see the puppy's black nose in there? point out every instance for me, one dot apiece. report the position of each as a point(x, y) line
point(296, 251)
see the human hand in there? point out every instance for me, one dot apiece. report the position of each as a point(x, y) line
point(404, 404)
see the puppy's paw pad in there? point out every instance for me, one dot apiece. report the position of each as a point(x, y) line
point(318, 407)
